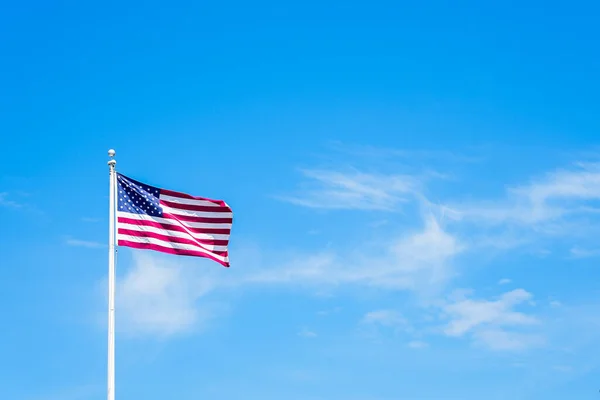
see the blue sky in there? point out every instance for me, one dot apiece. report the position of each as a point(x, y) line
point(415, 187)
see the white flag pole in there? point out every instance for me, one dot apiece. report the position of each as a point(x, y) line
point(111, 277)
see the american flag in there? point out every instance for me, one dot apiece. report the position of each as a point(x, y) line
point(172, 222)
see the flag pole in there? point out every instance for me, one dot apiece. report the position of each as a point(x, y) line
point(111, 277)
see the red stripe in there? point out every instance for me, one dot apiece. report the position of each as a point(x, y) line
point(175, 227)
point(191, 207)
point(187, 196)
point(205, 220)
point(168, 238)
point(148, 246)
point(178, 219)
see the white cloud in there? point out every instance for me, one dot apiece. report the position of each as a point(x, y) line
point(555, 304)
point(385, 318)
point(306, 333)
point(498, 339)
point(5, 202)
point(563, 368)
point(158, 297)
point(486, 320)
point(555, 204)
point(556, 195)
point(355, 190)
point(334, 310)
point(417, 344)
point(84, 243)
point(578, 252)
point(418, 261)
point(504, 281)
point(373, 323)
point(426, 255)
point(469, 314)
point(582, 182)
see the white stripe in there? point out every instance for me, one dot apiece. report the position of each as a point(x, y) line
point(190, 202)
point(191, 213)
point(184, 224)
point(170, 245)
point(141, 228)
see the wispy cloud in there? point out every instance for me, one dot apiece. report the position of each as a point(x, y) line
point(487, 320)
point(503, 340)
point(306, 333)
point(578, 252)
point(420, 260)
point(504, 281)
point(566, 192)
point(560, 203)
point(385, 318)
point(84, 243)
point(468, 314)
point(563, 368)
point(14, 201)
point(334, 310)
point(6, 202)
point(417, 344)
point(354, 190)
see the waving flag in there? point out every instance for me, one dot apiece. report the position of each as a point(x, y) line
point(172, 222)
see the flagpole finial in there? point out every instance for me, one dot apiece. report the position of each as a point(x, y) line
point(112, 162)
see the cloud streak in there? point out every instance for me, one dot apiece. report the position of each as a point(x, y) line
point(306, 333)
point(487, 321)
point(84, 243)
point(578, 252)
point(559, 203)
point(385, 318)
point(553, 197)
point(5, 202)
point(354, 190)
point(420, 260)
point(417, 344)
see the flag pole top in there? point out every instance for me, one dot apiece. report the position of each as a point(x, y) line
point(112, 162)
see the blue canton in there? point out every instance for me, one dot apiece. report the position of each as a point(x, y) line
point(137, 198)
